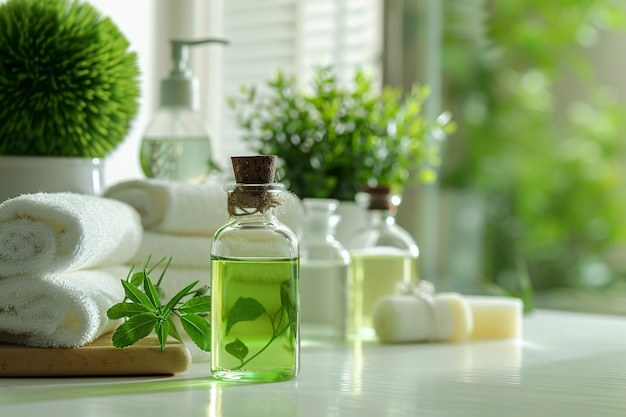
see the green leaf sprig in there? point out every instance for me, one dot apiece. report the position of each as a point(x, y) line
point(144, 311)
point(250, 309)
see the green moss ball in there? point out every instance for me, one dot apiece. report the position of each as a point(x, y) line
point(68, 83)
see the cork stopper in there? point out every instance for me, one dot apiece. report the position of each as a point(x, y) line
point(378, 197)
point(255, 191)
point(257, 169)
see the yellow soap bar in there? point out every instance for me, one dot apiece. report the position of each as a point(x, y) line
point(495, 317)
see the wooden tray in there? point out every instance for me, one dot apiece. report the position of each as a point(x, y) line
point(97, 359)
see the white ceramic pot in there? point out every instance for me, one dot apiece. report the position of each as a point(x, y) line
point(31, 174)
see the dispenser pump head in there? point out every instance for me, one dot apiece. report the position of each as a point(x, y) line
point(180, 88)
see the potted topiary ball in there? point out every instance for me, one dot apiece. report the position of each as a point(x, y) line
point(69, 91)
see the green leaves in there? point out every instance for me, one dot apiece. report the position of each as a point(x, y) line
point(238, 349)
point(244, 309)
point(199, 304)
point(125, 309)
point(336, 139)
point(250, 309)
point(145, 312)
point(135, 295)
point(198, 330)
point(135, 328)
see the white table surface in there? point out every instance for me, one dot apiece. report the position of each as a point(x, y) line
point(567, 364)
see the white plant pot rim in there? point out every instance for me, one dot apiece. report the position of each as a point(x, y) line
point(9, 160)
point(30, 174)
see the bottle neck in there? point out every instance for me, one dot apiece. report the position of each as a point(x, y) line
point(257, 200)
point(319, 227)
point(381, 205)
point(382, 217)
point(267, 216)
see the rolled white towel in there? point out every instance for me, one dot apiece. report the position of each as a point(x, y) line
point(185, 251)
point(174, 207)
point(407, 318)
point(64, 310)
point(58, 232)
point(189, 209)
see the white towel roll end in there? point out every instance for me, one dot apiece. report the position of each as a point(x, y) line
point(401, 318)
point(454, 317)
point(407, 318)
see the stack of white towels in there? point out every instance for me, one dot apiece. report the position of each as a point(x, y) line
point(62, 256)
point(178, 221)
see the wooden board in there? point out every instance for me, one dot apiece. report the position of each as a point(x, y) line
point(97, 359)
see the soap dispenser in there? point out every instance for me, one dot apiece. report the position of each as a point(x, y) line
point(176, 145)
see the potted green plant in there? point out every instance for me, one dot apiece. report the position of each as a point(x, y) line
point(68, 91)
point(333, 139)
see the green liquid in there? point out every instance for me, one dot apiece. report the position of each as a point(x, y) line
point(375, 275)
point(177, 159)
point(271, 337)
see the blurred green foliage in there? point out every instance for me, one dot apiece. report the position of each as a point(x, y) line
point(332, 139)
point(553, 173)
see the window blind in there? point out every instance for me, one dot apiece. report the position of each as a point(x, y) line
point(294, 36)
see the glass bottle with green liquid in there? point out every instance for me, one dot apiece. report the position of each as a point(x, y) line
point(255, 268)
point(383, 254)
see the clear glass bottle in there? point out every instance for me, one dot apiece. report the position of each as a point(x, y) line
point(324, 274)
point(176, 145)
point(255, 269)
point(382, 254)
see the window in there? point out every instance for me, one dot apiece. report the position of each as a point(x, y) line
point(293, 36)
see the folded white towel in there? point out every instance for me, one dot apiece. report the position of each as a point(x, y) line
point(64, 310)
point(58, 232)
point(174, 207)
point(189, 209)
point(185, 251)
